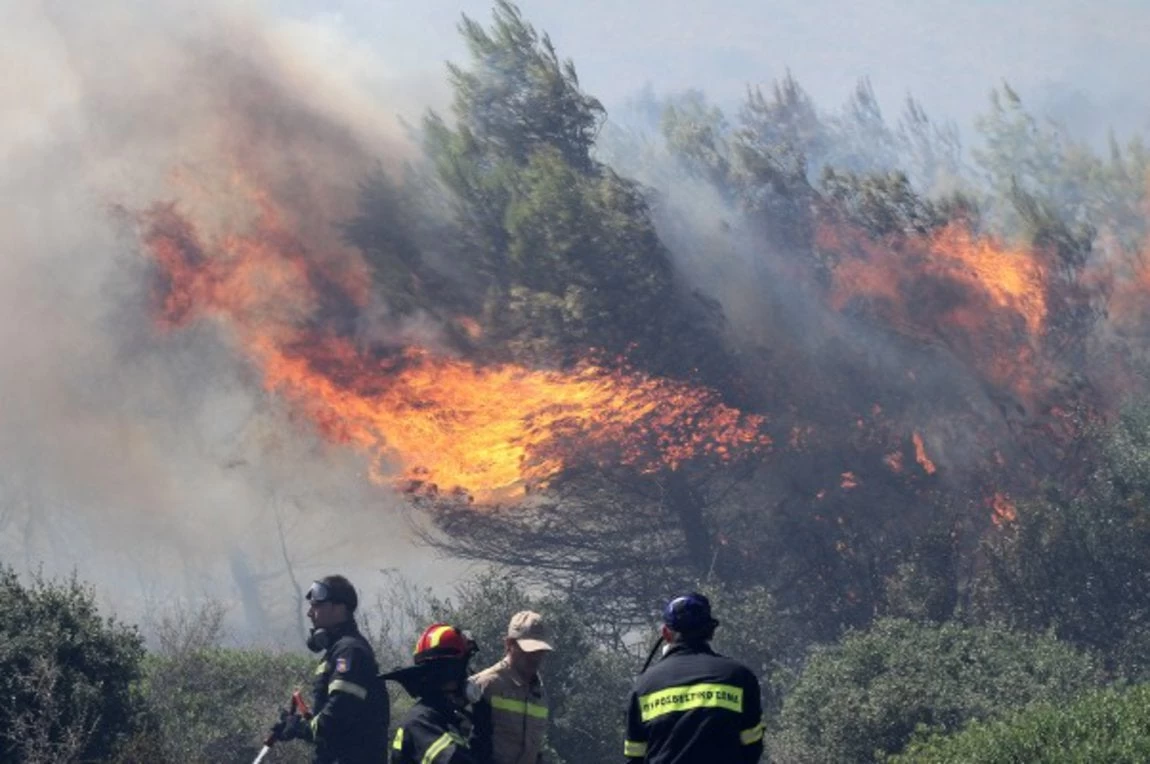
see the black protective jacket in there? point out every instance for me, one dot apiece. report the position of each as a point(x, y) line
point(349, 702)
point(432, 733)
point(695, 707)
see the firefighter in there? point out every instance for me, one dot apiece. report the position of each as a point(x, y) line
point(516, 707)
point(438, 729)
point(349, 705)
point(693, 706)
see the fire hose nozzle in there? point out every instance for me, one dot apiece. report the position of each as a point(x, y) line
point(298, 706)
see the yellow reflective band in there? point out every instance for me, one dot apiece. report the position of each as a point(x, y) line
point(634, 748)
point(688, 697)
point(314, 726)
point(437, 635)
point(397, 744)
point(753, 735)
point(322, 667)
point(441, 744)
point(514, 706)
point(351, 688)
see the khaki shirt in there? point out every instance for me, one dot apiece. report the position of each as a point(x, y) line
point(518, 714)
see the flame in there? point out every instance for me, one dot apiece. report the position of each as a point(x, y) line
point(920, 455)
point(1013, 279)
point(1002, 510)
point(987, 300)
point(470, 327)
point(849, 481)
point(494, 431)
point(439, 423)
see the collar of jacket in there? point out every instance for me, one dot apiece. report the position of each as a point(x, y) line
point(517, 678)
point(445, 708)
point(689, 648)
point(341, 630)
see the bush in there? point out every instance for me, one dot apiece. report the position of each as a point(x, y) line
point(216, 704)
point(867, 696)
point(1108, 725)
point(66, 673)
point(208, 703)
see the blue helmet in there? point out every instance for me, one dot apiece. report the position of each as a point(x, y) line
point(689, 613)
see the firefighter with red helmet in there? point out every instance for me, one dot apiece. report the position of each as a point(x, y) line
point(693, 706)
point(437, 729)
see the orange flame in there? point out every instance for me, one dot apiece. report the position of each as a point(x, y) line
point(1012, 278)
point(1002, 510)
point(470, 326)
point(493, 432)
point(920, 455)
point(989, 300)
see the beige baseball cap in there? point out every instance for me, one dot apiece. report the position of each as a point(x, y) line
point(529, 631)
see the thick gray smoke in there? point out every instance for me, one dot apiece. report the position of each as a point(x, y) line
point(152, 466)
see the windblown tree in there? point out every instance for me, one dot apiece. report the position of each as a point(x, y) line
point(1075, 562)
point(844, 424)
point(834, 235)
point(1023, 152)
point(565, 256)
point(568, 255)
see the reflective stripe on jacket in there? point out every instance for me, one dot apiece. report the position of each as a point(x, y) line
point(430, 734)
point(519, 713)
point(695, 707)
point(349, 701)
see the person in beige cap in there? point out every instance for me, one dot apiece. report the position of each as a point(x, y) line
point(514, 695)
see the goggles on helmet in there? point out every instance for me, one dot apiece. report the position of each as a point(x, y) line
point(320, 592)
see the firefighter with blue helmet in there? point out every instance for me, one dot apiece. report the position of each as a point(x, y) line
point(693, 706)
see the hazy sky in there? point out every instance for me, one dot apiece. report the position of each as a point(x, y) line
point(947, 53)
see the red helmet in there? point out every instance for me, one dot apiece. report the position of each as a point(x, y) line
point(441, 640)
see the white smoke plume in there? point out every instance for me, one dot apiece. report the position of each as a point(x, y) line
point(155, 467)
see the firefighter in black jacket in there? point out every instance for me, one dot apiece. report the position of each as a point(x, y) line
point(438, 729)
point(350, 705)
point(694, 706)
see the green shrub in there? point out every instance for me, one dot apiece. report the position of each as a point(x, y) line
point(1109, 726)
point(66, 673)
point(215, 704)
point(866, 696)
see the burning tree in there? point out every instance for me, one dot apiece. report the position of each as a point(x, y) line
point(900, 372)
point(456, 433)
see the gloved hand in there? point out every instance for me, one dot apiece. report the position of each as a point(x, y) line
point(291, 726)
